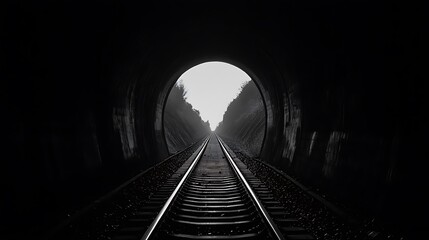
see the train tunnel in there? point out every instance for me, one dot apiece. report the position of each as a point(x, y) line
point(85, 84)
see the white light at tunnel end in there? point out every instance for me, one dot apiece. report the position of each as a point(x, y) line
point(211, 86)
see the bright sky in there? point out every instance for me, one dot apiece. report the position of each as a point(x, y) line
point(211, 86)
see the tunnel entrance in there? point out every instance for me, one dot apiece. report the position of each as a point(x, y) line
point(214, 96)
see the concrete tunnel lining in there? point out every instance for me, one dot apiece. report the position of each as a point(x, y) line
point(149, 117)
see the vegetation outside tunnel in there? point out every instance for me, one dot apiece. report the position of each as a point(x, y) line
point(182, 123)
point(244, 120)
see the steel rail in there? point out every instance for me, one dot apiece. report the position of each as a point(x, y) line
point(273, 227)
point(166, 206)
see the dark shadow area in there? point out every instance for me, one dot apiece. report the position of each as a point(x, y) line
point(182, 124)
point(84, 84)
point(244, 120)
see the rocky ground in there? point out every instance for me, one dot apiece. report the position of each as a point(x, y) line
point(101, 218)
point(313, 215)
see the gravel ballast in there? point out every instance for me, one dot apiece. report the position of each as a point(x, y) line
point(105, 215)
point(315, 215)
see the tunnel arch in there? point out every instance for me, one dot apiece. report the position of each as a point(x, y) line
point(84, 87)
point(256, 64)
point(180, 72)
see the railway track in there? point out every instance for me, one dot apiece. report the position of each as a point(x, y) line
point(212, 196)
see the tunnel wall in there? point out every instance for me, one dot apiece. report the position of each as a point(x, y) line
point(344, 85)
point(351, 119)
point(71, 133)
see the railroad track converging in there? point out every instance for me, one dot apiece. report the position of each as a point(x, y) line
point(212, 196)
